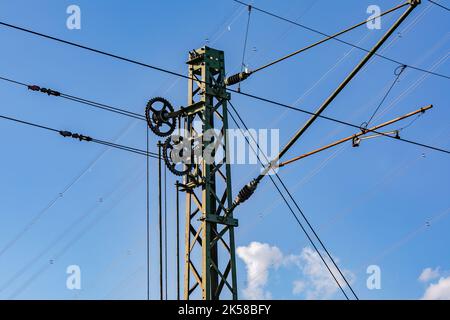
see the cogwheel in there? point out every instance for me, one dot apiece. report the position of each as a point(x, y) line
point(156, 114)
point(175, 143)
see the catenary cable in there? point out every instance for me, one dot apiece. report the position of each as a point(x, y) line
point(106, 143)
point(289, 107)
point(292, 211)
point(342, 41)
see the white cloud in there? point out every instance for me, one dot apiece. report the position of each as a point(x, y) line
point(439, 290)
point(259, 258)
point(429, 274)
point(316, 282)
point(298, 287)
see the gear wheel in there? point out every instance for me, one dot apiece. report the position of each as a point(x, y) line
point(157, 119)
point(175, 143)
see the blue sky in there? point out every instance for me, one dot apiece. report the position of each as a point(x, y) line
point(369, 204)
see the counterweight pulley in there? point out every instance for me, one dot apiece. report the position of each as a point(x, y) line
point(177, 155)
point(158, 117)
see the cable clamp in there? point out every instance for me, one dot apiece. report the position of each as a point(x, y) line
point(356, 141)
point(399, 70)
point(50, 92)
point(414, 2)
point(363, 127)
point(78, 136)
point(34, 88)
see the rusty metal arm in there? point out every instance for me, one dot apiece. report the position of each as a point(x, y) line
point(329, 38)
point(354, 136)
point(234, 79)
point(246, 192)
point(412, 5)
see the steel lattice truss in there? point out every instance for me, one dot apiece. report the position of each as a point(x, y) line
point(210, 249)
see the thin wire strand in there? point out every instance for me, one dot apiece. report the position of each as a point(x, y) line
point(29, 123)
point(439, 5)
point(161, 285)
point(295, 216)
point(126, 148)
point(106, 143)
point(293, 213)
point(328, 38)
point(178, 237)
point(411, 122)
point(397, 77)
point(165, 228)
point(57, 197)
point(342, 41)
point(86, 101)
point(61, 236)
point(104, 107)
point(344, 123)
point(14, 81)
point(279, 104)
point(147, 196)
point(245, 42)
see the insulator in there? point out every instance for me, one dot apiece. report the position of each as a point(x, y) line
point(34, 88)
point(50, 92)
point(236, 78)
point(75, 135)
point(81, 137)
point(65, 133)
point(246, 192)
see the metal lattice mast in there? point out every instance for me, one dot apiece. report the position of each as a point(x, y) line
point(210, 264)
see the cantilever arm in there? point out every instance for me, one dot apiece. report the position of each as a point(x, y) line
point(363, 132)
point(249, 188)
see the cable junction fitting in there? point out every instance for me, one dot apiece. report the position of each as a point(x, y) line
point(68, 134)
point(356, 140)
point(50, 92)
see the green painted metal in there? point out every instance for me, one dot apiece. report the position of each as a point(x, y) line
point(210, 263)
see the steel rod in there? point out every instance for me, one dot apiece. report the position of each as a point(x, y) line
point(365, 131)
point(161, 288)
point(178, 237)
point(327, 38)
point(341, 86)
point(147, 196)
